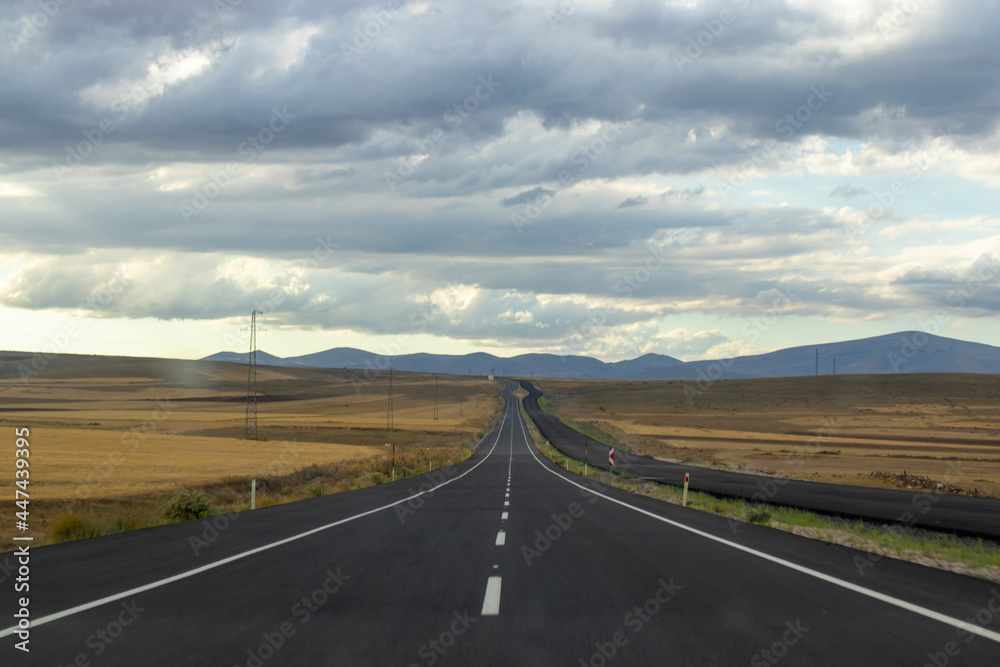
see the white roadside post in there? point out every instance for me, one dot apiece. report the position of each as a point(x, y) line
point(253, 494)
point(687, 478)
point(611, 465)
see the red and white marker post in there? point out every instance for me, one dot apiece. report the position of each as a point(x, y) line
point(611, 465)
point(687, 478)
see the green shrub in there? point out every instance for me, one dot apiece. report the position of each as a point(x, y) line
point(317, 490)
point(759, 514)
point(128, 520)
point(187, 505)
point(68, 527)
point(370, 479)
point(266, 500)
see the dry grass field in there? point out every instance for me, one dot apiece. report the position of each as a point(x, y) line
point(854, 429)
point(113, 438)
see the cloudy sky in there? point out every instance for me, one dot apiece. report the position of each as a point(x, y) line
point(699, 178)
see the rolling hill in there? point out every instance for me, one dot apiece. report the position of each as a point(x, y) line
point(903, 352)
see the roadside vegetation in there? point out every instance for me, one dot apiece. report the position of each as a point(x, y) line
point(94, 518)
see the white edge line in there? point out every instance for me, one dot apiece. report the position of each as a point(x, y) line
point(6, 632)
point(491, 602)
point(902, 604)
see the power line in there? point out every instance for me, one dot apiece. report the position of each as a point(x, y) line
point(251, 379)
point(389, 418)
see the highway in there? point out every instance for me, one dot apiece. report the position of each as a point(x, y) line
point(962, 515)
point(502, 560)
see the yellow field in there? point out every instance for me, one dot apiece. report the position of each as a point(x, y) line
point(73, 463)
point(112, 430)
point(837, 429)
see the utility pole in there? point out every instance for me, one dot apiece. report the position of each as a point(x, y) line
point(388, 416)
point(251, 412)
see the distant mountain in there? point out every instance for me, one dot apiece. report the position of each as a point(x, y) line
point(263, 358)
point(478, 363)
point(645, 363)
point(903, 352)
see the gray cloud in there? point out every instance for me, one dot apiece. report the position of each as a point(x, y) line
point(847, 191)
point(527, 196)
point(462, 106)
point(685, 192)
point(633, 201)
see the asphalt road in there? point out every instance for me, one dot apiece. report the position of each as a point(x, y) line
point(958, 514)
point(572, 575)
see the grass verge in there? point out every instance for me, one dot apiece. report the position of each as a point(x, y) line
point(68, 520)
point(547, 405)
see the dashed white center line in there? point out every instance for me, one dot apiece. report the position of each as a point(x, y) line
point(506, 495)
point(491, 603)
point(506, 503)
point(501, 538)
point(503, 517)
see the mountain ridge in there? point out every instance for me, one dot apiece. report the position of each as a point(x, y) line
point(900, 352)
